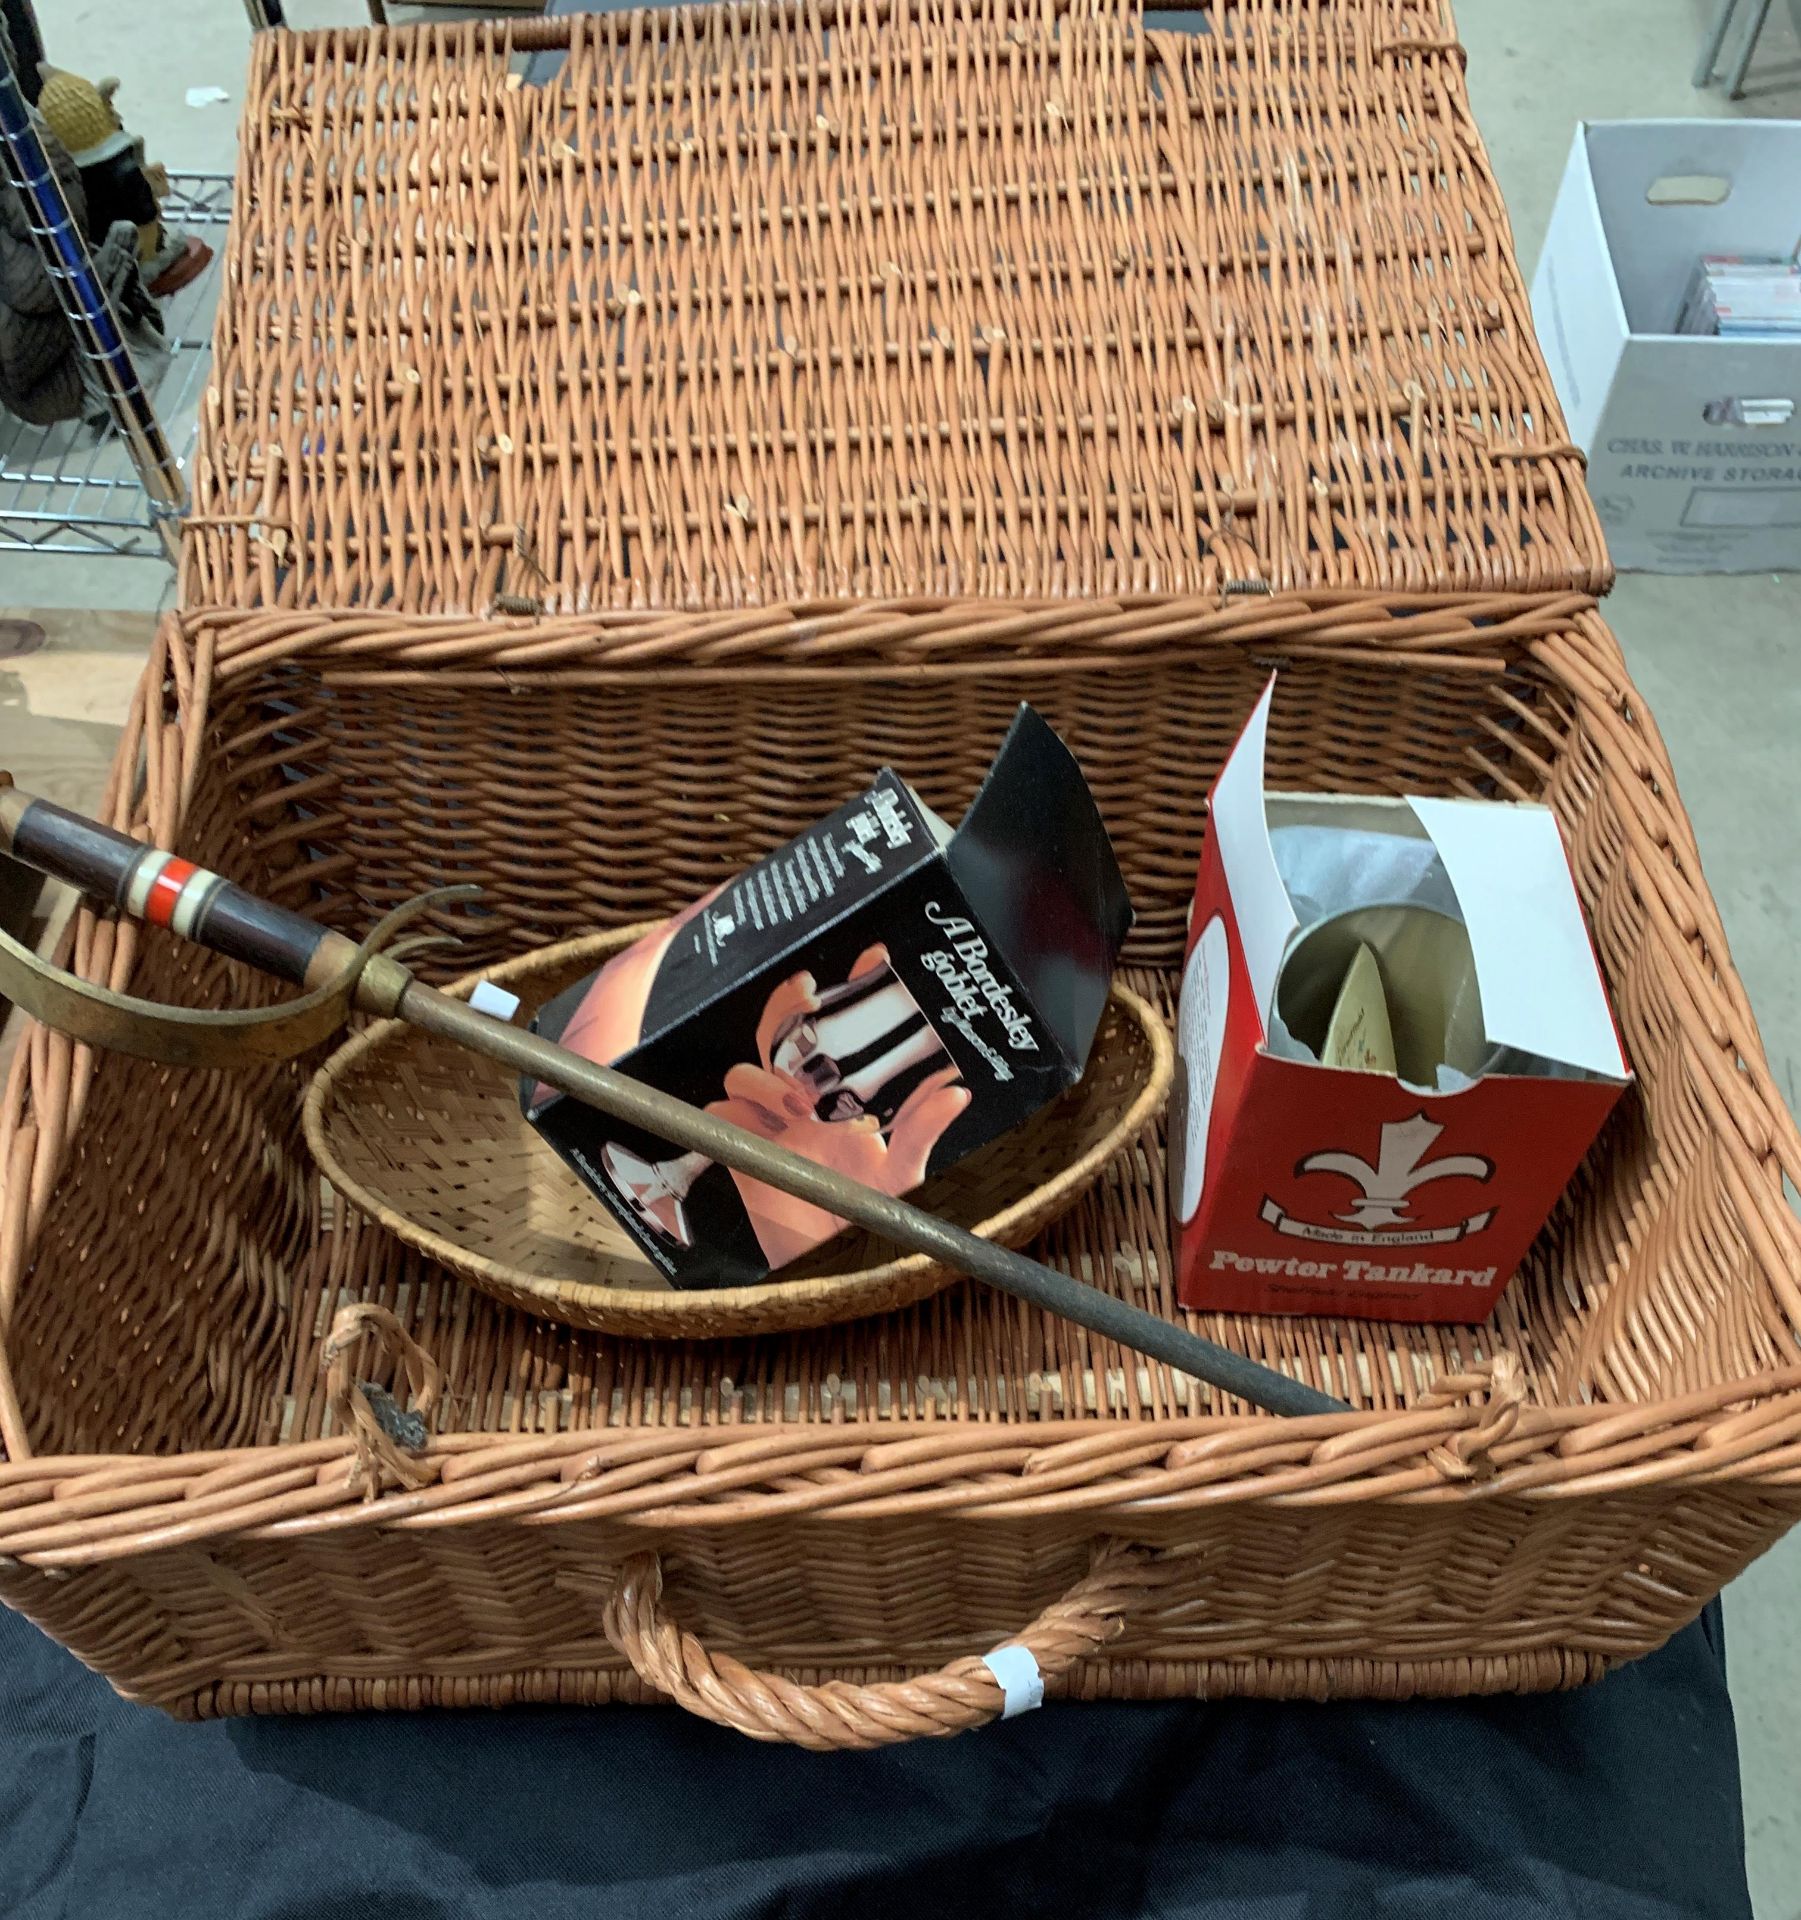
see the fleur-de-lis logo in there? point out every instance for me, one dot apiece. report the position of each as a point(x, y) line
point(1401, 1167)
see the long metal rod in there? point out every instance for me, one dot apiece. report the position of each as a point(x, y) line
point(59, 241)
point(897, 1221)
point(1709, 57)
point(1754, 26)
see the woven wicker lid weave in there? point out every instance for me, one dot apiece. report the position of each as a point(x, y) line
point(866, 298)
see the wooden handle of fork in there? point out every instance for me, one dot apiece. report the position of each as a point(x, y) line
point(155, 886)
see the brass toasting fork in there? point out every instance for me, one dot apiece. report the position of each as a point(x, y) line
point(339, 975)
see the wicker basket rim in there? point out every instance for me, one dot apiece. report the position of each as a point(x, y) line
point(922, 635)
point(671, 1480)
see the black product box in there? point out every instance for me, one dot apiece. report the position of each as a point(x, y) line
point(882, 995)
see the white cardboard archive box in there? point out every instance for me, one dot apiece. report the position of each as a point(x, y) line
point(1693, 444)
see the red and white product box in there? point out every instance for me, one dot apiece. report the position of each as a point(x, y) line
point(1304, 1188)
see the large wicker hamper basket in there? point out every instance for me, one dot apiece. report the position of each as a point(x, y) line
point(185, 1315)
point(608, 471)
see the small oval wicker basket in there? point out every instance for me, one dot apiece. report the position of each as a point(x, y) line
point(428, 1139)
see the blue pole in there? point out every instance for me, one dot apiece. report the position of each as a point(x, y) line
point(83, 300)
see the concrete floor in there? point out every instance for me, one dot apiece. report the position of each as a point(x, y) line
point(1719, 659)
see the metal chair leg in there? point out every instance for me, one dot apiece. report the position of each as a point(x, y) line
point(1716, 39)
point(1735, 86)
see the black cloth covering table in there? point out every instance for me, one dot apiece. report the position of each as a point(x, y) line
point(1619, 1800)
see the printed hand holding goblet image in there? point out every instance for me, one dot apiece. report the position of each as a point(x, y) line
point(610, 1020)
point(853, 1076)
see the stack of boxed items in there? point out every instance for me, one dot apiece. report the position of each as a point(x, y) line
point(1738, 298)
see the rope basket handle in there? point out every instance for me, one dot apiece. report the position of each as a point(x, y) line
point(839, 1714)
point(387, 1436)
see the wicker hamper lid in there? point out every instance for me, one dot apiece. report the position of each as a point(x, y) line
point(856, 299)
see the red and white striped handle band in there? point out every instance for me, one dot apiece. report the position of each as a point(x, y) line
point(159, 887)
point(168, 892)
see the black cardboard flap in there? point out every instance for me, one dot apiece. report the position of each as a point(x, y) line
point(1033, 859)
